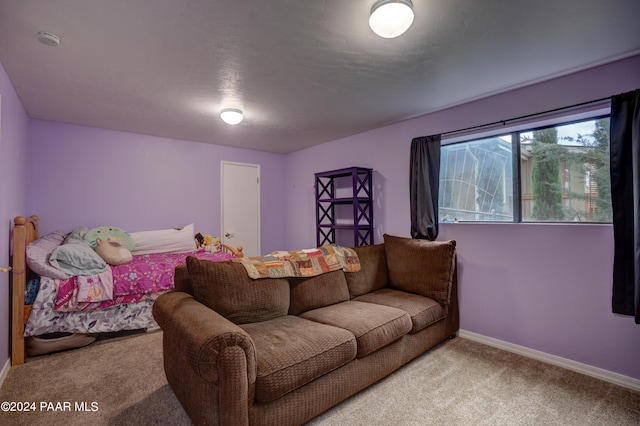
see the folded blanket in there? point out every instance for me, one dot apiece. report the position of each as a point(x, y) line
point(301, 263)
point(95, 288)
point(70, 302)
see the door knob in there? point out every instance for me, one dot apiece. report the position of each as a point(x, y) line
point(229, 235)
point(5, 268)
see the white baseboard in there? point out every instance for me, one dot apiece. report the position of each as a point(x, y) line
point(5, 371)
point(599, 373)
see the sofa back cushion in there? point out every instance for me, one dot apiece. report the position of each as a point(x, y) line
point(181, 280)
point(421, 266)
point(316, 292)
point(226, 288)
point(373, 274)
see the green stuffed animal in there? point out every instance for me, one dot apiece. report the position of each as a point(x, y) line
point(110, 234)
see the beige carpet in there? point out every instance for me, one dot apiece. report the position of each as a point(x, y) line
point(458, 383)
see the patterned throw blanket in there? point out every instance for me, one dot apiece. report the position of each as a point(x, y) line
point(301, 263)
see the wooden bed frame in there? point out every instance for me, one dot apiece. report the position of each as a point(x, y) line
point(25, 231)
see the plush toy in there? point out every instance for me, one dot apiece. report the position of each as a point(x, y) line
point(113, 252)
point(199, 240)
point(111, 234)
point(207, 243)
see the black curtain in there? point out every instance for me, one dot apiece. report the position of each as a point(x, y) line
point(625, 201)
point(424, 182)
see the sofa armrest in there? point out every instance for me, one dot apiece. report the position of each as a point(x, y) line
point(209, 362)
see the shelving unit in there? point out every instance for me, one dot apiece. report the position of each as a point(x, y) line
point(356, 194)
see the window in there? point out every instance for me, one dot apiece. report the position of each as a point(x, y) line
point(557, 173)
point(476, 180)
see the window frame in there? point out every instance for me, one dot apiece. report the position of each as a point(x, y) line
point(515, 131)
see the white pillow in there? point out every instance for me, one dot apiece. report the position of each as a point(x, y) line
point(180, 240)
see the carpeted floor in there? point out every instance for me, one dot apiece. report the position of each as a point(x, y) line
point(121, 382)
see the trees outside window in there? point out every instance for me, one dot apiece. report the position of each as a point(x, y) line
point(545, 175)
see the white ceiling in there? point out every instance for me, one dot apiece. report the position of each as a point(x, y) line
point(304, 71)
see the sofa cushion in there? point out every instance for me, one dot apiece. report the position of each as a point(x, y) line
point(374, 326)
point(226, 288)
point(315, 292)
point(420, 266)
point(422, 310)
point(181, 280)
point(292, 351)
point(373, 274)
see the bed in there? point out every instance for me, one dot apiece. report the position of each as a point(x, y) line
point(57, 307)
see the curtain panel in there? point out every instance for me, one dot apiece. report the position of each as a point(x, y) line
point(424, 180)
point(625, 202)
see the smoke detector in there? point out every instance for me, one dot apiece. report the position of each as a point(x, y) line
point(49, 39)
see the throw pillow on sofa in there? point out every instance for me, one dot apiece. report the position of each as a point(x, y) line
point(373, 273)
point(226, 288)
point(309, 293)
point(408, 258)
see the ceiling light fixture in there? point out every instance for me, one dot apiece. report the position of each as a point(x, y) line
point(391, 18)
point(231, 115)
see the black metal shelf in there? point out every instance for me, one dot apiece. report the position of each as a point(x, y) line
point(345, 200)
point(361, 199)
point(344, 226)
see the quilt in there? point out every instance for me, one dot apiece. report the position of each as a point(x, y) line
point(301, 263)
point(144, 278)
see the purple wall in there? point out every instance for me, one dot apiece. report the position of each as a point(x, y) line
point(546, 287)
point(14, 133)
point(93, 177)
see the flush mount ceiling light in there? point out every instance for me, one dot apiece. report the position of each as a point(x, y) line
point(231, 115)
point(391, 18)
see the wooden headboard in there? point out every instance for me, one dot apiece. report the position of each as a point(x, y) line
point(25, 230)
point(237, 252)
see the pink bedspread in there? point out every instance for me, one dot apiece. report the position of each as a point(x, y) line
point(146, 276)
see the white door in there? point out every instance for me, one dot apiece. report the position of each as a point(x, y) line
point(241, 206)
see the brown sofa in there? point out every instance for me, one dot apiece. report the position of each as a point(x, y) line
point(239, 351)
